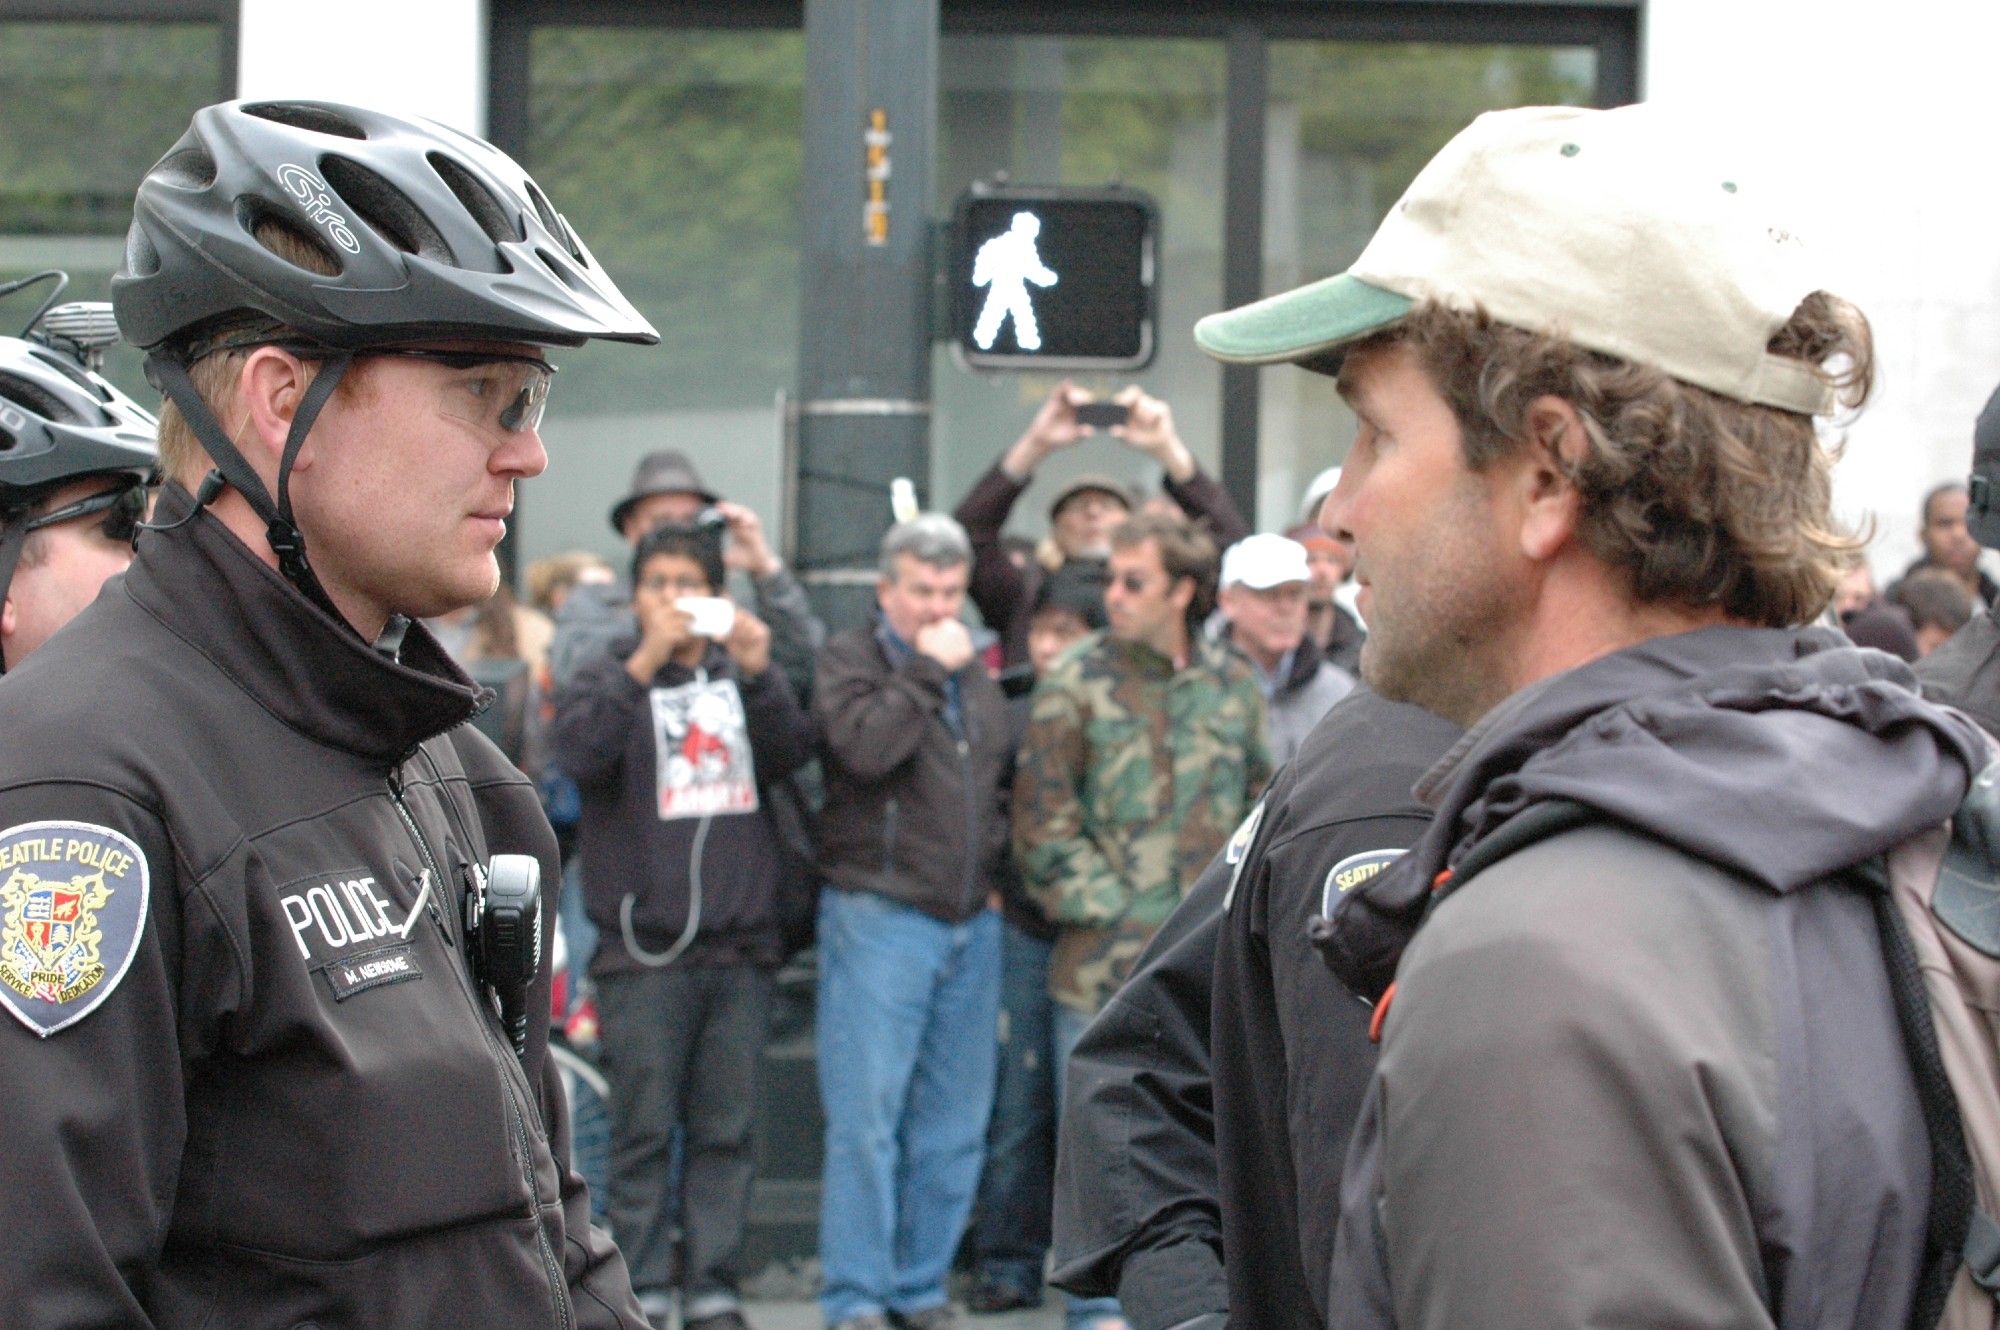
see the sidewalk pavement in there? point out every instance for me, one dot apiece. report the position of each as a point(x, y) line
point(805, 1316)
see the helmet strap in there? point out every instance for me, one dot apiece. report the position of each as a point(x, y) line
point(281, 529)
point(13, 539)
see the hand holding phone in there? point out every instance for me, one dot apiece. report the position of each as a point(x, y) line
point(710, 616)
point(1101, 415)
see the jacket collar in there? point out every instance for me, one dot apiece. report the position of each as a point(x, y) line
point(1204, 653)
point(308, 669)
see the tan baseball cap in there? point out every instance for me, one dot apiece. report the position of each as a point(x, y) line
point(1617, 230)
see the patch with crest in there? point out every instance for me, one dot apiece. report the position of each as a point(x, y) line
point(72, 908)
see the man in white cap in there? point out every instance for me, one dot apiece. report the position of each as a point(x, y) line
point(1644, 1063)
point(1262, 602)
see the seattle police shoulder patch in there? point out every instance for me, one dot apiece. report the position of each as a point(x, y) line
point(1350, 873)
point(72, 907)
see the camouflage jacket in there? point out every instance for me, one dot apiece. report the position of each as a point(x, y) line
point(1131, 777)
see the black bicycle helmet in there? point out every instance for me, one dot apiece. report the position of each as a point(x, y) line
point(435, 234)
point(60, 422)
point(431, 234)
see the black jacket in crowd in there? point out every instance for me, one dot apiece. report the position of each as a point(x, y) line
point(293, 1106)
point(1210, 1105)
point(914, 809)
point(603, 737)
point(1965, 672)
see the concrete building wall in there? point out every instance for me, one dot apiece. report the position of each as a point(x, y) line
point(418, 57)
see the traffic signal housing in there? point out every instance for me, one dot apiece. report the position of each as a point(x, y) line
point(1054, 277)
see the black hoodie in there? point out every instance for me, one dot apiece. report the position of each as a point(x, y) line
point(603, 737)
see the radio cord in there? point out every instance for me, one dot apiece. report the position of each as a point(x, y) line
point(657, 959)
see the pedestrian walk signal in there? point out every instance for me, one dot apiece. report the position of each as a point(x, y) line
point(1054, 278)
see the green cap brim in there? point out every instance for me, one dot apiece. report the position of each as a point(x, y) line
point(1305, 323)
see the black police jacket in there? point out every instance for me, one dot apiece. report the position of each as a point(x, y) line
point(246, 1077)
point(1210, 1104)
point(1965, 671)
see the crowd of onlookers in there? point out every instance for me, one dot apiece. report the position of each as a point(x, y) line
point(1936, 594)
point(980, 821)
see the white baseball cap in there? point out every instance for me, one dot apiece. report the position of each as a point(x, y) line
point(1616, 230)
point(1263, 561)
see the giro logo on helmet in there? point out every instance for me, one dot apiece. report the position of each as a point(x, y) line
point(317, 200)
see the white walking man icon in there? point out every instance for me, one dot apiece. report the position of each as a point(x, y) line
point(1005, 265)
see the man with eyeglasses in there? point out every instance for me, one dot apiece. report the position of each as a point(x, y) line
point(75, 455)
point(269, 935)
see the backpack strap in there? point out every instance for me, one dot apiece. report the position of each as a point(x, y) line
point(1950, 1237)
point(1536, 822)
point(1982, 1252)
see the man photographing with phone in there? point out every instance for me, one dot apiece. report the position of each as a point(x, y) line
point(667, 490)
point(673, 736)
point(1085, 510)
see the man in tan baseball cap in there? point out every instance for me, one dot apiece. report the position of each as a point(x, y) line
point(1642, 1064)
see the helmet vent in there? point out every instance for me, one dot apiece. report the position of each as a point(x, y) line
point(574, 245)
point(286, 241)
point(543, 210)
point(24, 392)
point(563, 271)
point(386, 208)
point(476, 199)
point(69, 369)
point(187, 168)
point(304, 115)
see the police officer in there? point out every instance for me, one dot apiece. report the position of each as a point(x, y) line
point(75, 455)
point(1209, 1106)
point(1965, 671)
point(254, 1067)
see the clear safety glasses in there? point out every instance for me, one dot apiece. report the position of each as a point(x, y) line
point(491, 389)
point(123, 508)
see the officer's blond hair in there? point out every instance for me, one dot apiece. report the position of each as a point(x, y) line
point(182, 458)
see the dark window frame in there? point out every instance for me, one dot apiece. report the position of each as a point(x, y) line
point(225, 14)
point(1246, 27)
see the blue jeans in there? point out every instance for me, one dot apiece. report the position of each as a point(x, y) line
point(1070, 1025)
point(1010, 1225)
point(907, 1011)
point(579, 934)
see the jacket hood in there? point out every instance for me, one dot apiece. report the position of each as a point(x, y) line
point(1781, 755)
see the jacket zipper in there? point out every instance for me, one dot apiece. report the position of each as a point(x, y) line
point(972, 855)
point(559, 1294)
point(889, 838)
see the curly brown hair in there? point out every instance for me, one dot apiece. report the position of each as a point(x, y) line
point(1699, 499)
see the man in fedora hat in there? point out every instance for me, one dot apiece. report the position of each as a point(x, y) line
point(667, 490)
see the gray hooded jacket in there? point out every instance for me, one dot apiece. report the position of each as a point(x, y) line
point(1647, 1071)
